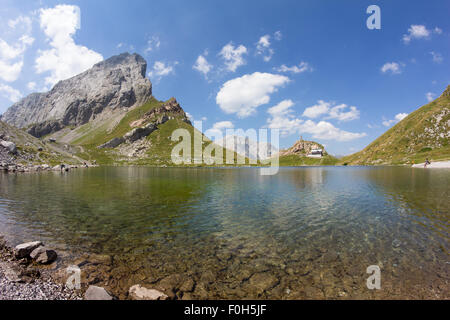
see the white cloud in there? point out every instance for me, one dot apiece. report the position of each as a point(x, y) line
point(31, 85)
point(12, 55)
point(152, 44)
point(283, 119)
point(419, 32)
point(278, 36)
point(398, 117)
point(437, 57)
point(218, 128)
point(65, 59)
point(223, 125)
point(331, 111)
point(302, 67)
point(283, 108)
point(392, 67)
point(263, 48)
point(430, 96)
point(338, 113)
point(233, 56)
point(327, 131)
point(319, 109)
point(21, 22)
point(161, 69)
point(202, 65)
point(244, 94)
point(10, 93)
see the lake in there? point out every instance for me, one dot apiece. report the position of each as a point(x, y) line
point(305, 233)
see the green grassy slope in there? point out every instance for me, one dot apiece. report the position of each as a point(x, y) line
point(295, 160)
point(161, 145)
point(35, 151)
point(422, 134)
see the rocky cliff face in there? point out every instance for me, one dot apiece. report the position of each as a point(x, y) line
point(118, 82)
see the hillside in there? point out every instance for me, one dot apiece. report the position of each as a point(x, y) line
point(25, 149)
point(422, 134)
point(116, 83)
point(107, 114)
point(297, 155)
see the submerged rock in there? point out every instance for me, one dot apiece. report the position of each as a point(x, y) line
point(23, 250)
point(97, 293)
point(137, 292)
point(43, 255)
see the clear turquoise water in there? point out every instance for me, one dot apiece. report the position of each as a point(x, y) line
point(305, 233)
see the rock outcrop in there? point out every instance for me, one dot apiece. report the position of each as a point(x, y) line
point(118, 82)
point(144, 126)
point(24, 250)
point(302, 148)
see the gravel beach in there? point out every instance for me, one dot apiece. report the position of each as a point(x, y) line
point(20, 280)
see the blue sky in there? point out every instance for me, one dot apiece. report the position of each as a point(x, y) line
point(310, 68)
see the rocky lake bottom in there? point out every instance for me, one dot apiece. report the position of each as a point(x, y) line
point(305, 233)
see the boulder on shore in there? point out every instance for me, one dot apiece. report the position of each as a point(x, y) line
point(97, 293)
point(10, 146)
point(43, 255)
point(137, 292)
point(23, 250)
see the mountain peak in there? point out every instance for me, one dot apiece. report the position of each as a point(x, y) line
point(117, 82)
point(125, 58)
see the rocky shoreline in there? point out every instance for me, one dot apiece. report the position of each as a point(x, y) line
point(29, 272)
point(21, 168)
point(21, 277)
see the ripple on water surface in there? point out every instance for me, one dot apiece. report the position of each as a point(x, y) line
point(231, 233)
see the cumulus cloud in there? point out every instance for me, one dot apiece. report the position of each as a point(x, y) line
point(327, 131)
point(263, 48)
point(10, 93)
point(419, 32)
point(430, 96)
point(233, 56)
point(302, 67)
point(218, 127)
point(65, 59)
point(437, 57)
point(244, 94)
point(152, 44)
point(223, 125)
point(392, 67)
point(161, 69)
point(202, 65)
point(317, 110)
point(282, 118)
point(340, 112)
point(399, 117)
point(12, 54)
